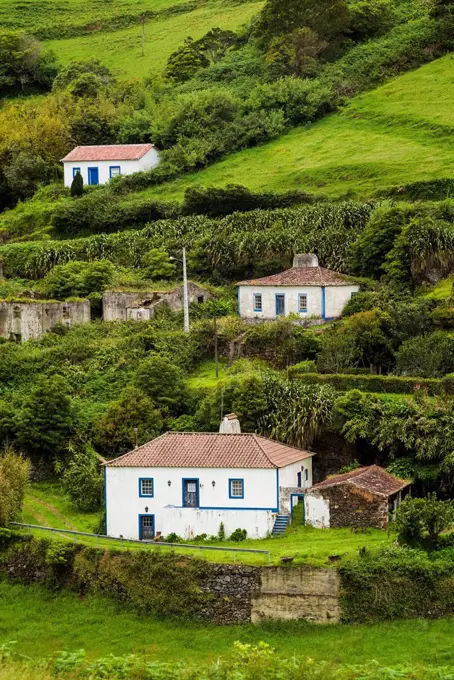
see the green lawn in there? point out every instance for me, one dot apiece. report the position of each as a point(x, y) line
point(47, 505)
point(43, 623)
point(121, 50)
point(399, 133)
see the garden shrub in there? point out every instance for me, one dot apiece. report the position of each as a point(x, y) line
point(343, 382)
point(396, 583)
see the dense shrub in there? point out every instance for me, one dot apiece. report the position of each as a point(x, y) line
point(420, 521)
point(429, 190)
point(83, 479)
point(23, 64)
point(14, 475)
point(427, 355)
point(369, 383)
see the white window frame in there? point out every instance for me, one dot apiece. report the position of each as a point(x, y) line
point(258, 297)
point(300, 308)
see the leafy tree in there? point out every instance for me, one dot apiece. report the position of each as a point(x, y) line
point(338, 351)
point(369, 18)
point(428, 356)
point(420, 521)
point(83, 479)
point(75, 69)
point(93, 125)
point(87, 85)
point(14, 476)
point(23, 62)
point(158, 264)
point(78, 279)
point(370, 332)
point(194, 55)
point(328, 18)
point(162, 381)
point(114, 432)
point(46, 420)
point(26, 172)
point(77, 185)
point(295, 54)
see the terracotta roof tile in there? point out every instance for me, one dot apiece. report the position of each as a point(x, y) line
point(109, 152)
point(300, 276)
point(372, 478)
point(211, 450)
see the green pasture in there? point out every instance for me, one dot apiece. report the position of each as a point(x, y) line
point(121, 50)
point(399, 133)
point(42, 623)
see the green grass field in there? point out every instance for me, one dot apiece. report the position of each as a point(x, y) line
point(399, 133)
point(121, 50)
point(42, 623)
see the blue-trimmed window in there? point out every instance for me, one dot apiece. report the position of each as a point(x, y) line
point(306, 475)
point(258, 304)
point(75, 171)
point(302, 302)
point(146, 487)
point(114, 171)
point(236, 488)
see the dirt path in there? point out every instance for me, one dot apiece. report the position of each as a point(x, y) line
point(54, 511)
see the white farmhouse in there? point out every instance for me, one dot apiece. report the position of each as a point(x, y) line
point(306, 290)
point(98, 164)
point(190, 482)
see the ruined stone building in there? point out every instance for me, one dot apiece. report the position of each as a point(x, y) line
point(30, 319)
point(141, 305)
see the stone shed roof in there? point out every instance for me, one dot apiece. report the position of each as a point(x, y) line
point(300, 276)
point(108, 152)
point(372, 478)
point(211, 450)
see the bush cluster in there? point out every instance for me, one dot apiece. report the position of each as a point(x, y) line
point(370, 383)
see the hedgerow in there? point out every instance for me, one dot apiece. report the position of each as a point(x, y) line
point(370, 383)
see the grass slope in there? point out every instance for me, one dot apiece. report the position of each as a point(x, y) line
point(43, 623)
point(399, 133)
point(121, 50)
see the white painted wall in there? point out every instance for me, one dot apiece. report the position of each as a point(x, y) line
point(190, 522)
point(316, 509)
point(288, 475)
point(124, 505)
point(336, 297)
point(148, 161)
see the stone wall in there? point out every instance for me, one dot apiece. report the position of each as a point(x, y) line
point(308, 593)
point(120, 306)
point(33, 318)
point(232, 589)
point(353, 507)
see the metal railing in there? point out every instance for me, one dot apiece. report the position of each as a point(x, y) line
point(155, 544)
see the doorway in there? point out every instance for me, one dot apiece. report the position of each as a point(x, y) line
point(280, 304)
point(93, 176)
point(190, 493)
point(146, 527)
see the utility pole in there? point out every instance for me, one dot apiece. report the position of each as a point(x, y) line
point(142, 18)
point(185, 294)
point(216, 358)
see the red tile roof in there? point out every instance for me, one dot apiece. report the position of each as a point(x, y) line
point(211, 450)
point(110, 152)
point(372, 478)
point(300, 276)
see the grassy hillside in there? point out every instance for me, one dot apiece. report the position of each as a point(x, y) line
point(120, 50)
point(42, 622)
point(398, 133)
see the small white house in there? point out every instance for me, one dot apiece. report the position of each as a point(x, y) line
point(190, 482)
point(98, 164)
point(306, 290)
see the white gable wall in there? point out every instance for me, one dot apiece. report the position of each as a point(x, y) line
point(335, 299)
point(148, 161)
point(316, 510)
point(124, 505)
point(288, 475)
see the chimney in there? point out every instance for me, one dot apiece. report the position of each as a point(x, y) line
point(305, 260)
point(230, 424)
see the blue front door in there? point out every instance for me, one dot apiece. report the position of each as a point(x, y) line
point(280, 304)
point(93, 176)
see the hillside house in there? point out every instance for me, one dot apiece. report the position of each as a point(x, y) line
point(141, 305)
point(30, 319)
point(99, 164)
point(190, 482)
point(305, 290)
point(364, 497)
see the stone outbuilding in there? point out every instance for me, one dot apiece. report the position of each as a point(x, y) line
point(306, 291)
point(141, 305)
point(365, 497)
point(30, 319)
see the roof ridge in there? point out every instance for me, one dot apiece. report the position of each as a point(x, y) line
point(263, 450)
